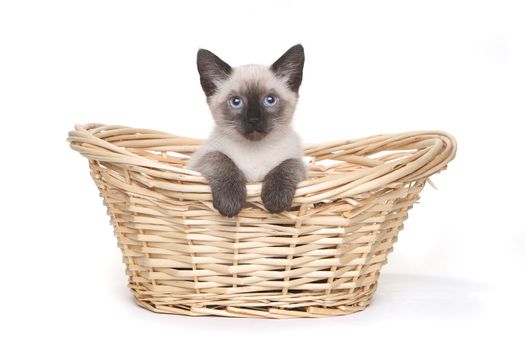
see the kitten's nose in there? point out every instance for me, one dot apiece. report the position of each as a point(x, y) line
point(254, 119)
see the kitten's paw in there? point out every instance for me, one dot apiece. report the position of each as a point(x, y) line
point(229, 200)
point(277, 196)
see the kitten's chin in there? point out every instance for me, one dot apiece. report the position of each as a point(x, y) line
point(254, 135)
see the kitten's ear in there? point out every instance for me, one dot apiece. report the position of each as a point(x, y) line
point(290, 66)
point(212, 70)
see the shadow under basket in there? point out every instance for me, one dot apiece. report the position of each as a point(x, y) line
point(320, 258)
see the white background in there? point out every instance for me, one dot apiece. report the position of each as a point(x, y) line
point(456, 275)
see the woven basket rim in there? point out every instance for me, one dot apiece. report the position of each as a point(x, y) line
point(437, 149)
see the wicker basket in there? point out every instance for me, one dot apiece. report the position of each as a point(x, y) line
point(320, 258)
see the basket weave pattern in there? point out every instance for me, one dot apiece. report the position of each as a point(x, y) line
point(320, 258)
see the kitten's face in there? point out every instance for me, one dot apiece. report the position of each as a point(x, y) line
point(251, 100)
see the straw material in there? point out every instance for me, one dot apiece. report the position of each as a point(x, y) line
point(320, 258)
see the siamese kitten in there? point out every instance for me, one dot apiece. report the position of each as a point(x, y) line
point(252, 106)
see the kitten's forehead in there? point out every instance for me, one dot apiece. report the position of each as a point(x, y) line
point(254, 74)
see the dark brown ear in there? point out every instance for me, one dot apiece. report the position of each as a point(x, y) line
point(290, 66)
point(212, 70)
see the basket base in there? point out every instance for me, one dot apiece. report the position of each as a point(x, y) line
point(260, 306)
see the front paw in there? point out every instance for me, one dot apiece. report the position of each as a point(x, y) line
point(277, 195)
point(229, 200)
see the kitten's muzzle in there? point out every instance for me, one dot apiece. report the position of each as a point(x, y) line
point(254, 129)
point(253, 119)
point(254, 122)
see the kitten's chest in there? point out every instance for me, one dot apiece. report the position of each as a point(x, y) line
point(255, 163)
point(257, 159)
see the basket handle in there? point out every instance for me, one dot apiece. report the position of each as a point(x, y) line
point(435, 150)
point(440, 148)
point(84, 140)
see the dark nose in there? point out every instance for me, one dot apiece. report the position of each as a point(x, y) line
point(253, 118)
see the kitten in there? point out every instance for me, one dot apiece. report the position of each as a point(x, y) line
point(252, 106)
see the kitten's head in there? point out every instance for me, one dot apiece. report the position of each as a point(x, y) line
point(251, 100)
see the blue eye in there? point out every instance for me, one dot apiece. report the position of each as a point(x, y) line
point(236, 102)
point(270, 101)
